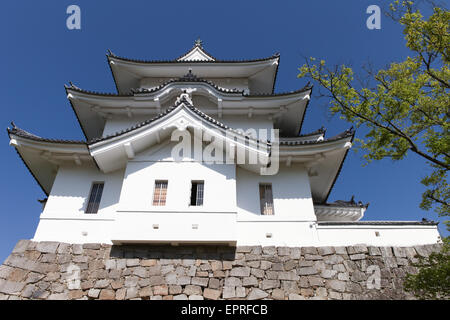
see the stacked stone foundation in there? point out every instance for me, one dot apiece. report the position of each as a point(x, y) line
point(55, 271)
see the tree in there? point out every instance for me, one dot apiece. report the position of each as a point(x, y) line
point(433, 279)
point(406, 106)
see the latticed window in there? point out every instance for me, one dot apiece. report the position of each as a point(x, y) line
point(95, 197)
point(266, 198)
point(160, 193)
point(197, 190)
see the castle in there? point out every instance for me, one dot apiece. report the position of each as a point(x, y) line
point(199, 150)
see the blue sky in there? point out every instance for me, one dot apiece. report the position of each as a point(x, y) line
point(39, 55)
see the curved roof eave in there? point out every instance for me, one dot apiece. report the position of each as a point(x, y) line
point(139, 92)
point(340, 168)
point(111, 55)
point(42, 143)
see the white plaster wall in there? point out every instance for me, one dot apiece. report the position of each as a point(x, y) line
point(89, 230)
point(389, 235)
point(70, 192)
point(291, 195)
point(141, 173)
point(283, 233)
point(63, 218)
point(230, 210)
point(175, 227)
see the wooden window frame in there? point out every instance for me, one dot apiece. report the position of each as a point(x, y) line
point(202, 191)
point(266, 205)
point(161, 202)
point(93, 205)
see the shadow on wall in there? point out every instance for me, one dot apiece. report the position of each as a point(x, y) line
point(201, 252)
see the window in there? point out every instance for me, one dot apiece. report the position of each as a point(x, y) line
point(197, 193)
point(266, 198)
point(160, 193)
point(95, 197)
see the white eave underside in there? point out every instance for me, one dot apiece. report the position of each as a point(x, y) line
point(287, 110)
point(43, 158)
point(261, 74)
point(338, 213)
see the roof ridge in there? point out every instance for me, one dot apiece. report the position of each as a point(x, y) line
point(197, 44)
point(112, 55)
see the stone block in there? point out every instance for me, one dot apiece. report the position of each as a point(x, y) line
point(93, 293)
point(240, 272)
point(324, 251)
point(192, 289)
point(277, 294)
point(21, 246)
point(162, 290)
point(233, 282)
point(307, 271)
point(271, 251)
point(11, 287)
point(257, 294)
point(228, 292)
point(288, 275)
point(270, 284)
point(183, 280)
point(47, 246)
point(336, 285)
point(250, 281)
point(107, 294)
point(203, 282)
point(328, 274)
point(211, 294)
point(265, 265)
point(294, 296)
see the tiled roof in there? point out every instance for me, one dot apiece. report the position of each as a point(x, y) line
point(343, 203)
point(189, 77)
point(25, 134)
point(112, 55)
point(292, 142)
point(321, 130)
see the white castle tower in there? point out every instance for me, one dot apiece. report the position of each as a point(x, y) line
point(199, 150)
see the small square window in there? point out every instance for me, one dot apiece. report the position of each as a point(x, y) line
point(95, 197)
point(266, 199)
point(197, 190)
point(160, 193)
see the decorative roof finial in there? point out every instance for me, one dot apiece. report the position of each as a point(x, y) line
point(198, 43)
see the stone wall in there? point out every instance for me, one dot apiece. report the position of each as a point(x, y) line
point(52, 270)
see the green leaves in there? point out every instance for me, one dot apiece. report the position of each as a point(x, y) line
point(405, 107)
point(433, 279)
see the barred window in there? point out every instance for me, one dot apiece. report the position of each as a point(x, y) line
point(266, 198)
point(160, 193)
point(95, 197)
point(197, 190)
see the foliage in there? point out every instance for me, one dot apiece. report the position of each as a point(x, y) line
point(433, 279)
point(406, 106)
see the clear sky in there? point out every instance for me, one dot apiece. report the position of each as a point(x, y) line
point(39, 55)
